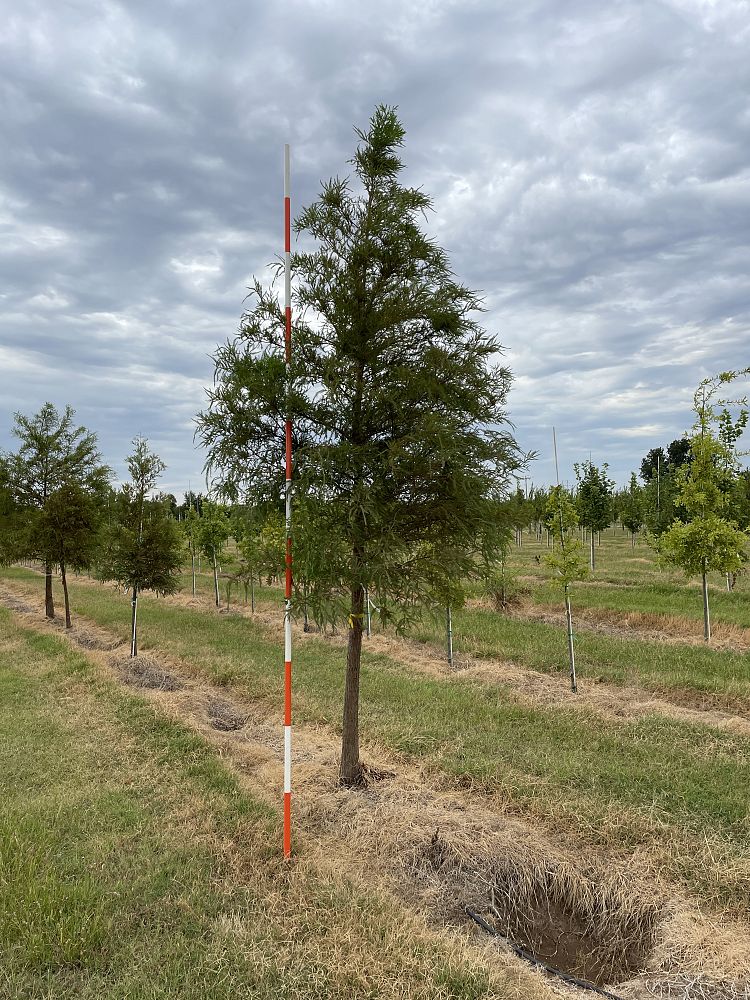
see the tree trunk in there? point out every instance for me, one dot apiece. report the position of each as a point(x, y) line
point(449, 635)
point(49, 603)
point(592, 559)
point(65, 592)
point(571, 650)
point(706, 614)
point(632, 540)
point(134, 624)
point(192, 567)
point(216, 581)
point(351, 770)
point(252, 595)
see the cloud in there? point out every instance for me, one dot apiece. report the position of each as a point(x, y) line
point(587, 161)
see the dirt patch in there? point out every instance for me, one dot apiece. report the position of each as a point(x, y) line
point(142, 672)
point(579, 921)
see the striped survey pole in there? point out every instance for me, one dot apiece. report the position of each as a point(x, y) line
point(288, 497)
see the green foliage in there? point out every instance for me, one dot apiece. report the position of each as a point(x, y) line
point(53, 452)
point(631, 505)
point(708, 538)
point(561, 517)
point(593, 495)
point(213, 529)
point(142, 544)
point(402, 448)
point(706, 543)
point(56, 463)
point(68, 526)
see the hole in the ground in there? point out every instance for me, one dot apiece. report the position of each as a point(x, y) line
point(591, 925)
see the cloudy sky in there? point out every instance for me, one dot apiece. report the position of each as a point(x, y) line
point(589, 164)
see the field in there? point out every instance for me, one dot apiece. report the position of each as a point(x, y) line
point(606, 832)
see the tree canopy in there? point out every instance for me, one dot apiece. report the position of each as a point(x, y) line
point(401, 439)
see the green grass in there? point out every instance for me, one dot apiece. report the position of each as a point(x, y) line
point(694, 673)
point(133, 865)
point(646, 781)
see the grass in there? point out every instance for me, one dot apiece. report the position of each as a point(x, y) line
point(691, 673)
point(133, 865)
point(677, 788)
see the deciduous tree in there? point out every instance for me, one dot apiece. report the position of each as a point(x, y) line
point(593, 500)
point(708, 539)
point(143, 547)
point(565, 560)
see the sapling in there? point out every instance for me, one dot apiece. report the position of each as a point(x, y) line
point(566, 559)
point(143, 547)
point(213, 534)
point(631, 508)
point(189, 526)
point(593, 501)
point(708, 538)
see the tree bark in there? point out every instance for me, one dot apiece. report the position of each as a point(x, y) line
point(706, 613)
point(216, 581)
point(49, 602)
point(134, 624)
point(571, 648)
point(350, 773)
point(65, 592)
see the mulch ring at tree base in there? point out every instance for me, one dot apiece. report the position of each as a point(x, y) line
point(93, 640)
point(224, 716)
point(141, 672)
point(16, 604)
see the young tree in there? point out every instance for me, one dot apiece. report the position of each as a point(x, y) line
point(593, 500)
point(631, 508)
point(143, 546)
point(189, 526)
point(397, 401)
point(566, 558)
point(67, 531)
point(53, 453)
point(213, 535)
point(708, 539)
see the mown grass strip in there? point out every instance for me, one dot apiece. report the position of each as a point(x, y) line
point(557, 762)
point(717, 676)
point(133, 865)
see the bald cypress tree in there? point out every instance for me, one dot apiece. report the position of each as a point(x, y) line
point(53, 454)
point(401, 442)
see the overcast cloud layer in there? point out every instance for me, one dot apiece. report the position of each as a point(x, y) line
point(589, 163)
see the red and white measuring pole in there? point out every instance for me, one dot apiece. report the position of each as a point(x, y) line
point(288, 496)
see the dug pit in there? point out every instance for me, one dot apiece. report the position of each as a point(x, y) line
point(588, 924)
